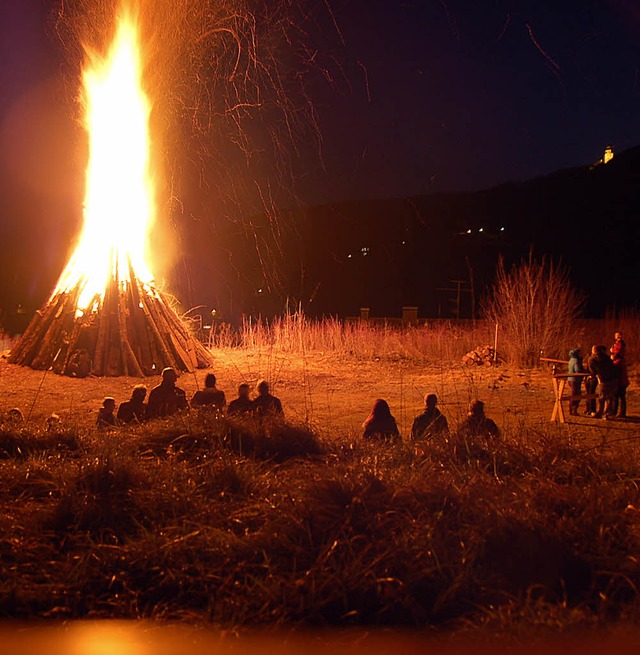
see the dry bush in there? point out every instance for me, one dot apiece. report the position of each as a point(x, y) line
point(535, 307)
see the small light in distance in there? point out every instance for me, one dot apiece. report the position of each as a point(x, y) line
point(481, 229)
point(501, 229)
point(259, 290)
point(468, 231)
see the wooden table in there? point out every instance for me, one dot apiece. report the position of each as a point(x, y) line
point(559, 384)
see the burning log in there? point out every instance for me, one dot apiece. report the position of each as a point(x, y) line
point(138, 333)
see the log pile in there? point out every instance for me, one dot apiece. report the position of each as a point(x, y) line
point(131, 330)
point(481, 356)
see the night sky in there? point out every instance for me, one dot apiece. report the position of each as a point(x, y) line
point(436, 94)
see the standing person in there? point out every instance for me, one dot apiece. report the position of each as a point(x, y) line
point(431, 422)
point(601, 365)
point(134, 409)
point(380, 424)
point(478, 424)
point(242, 404)
point(166, 399)
point(619, 357)
point(106, 417)
point(591, 384)
point(266, 404)
point(210, 396)
point(575, 383)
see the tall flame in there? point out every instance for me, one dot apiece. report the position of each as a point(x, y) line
point(119, 208)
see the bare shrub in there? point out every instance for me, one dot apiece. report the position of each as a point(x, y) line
point(535, 306)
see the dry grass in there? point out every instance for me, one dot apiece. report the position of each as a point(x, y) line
point(233, 524)
point(170, 521)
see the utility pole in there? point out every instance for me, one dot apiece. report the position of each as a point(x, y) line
point(458, 291)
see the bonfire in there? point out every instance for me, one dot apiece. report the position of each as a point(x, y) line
point(105, 316)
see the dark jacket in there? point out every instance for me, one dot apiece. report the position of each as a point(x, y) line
point(130, 411)
point(431, 423)
point(209, 396)
point(166, 399)
point(601, 366)
point(267, 404)
point(384, 429)
point(240, 406)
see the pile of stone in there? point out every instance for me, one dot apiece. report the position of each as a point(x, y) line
point(481, 356)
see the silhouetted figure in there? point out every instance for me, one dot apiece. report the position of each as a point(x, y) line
point(265, 404)
point(477, 424)
point(242, 405)
point(380, 424)
point(591, 384)
point(575, 383)
point(134, 409)
point(79, 365)
point(15, 416)
point(106, 417)
point(619, 357)
point(601, 366)
point(166, 399)
point(53, 423)
point(210, 396)
point(431, 422)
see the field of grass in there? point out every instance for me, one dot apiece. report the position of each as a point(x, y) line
point(204, 520)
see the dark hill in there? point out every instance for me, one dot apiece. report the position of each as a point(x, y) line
point(389, 253)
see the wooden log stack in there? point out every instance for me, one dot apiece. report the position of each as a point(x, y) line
point(131, 330)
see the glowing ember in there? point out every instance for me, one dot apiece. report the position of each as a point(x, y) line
point(119, 202)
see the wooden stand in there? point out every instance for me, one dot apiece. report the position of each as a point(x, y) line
point(559, 384)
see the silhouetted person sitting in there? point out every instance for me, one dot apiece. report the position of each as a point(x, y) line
point(15, 416)
point(79, 365)
point(601, 366)
point(265, 404)
point(210, 396)
point(134, 409)
point(380, 424)
point(242, 405)
point(431, 422)
point(166, 399)
point(477, 424)
point(106, 417)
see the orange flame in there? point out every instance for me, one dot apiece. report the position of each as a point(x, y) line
point(119, 208)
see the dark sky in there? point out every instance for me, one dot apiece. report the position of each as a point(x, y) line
point(437, 94)
point(468, 94)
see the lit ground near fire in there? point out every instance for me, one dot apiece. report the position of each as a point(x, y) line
point(332, 393)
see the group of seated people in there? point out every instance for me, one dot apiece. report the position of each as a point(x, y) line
point(429, 424)
point(167, 399)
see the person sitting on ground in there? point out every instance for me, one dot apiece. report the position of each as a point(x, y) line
point(15, 416)
point(601, 366)
point(242, 405)
point(79, 365)
point(53, 423)
point(166, 399)
point(380, 425)
point(266, 404)
point(431, 422)
point(619, 357)
point(477, 424)
point(134, 409)
point(106, 417)
point(210, 396)
point(575, 383)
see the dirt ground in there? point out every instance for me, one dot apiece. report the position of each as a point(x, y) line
point(332, 393)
